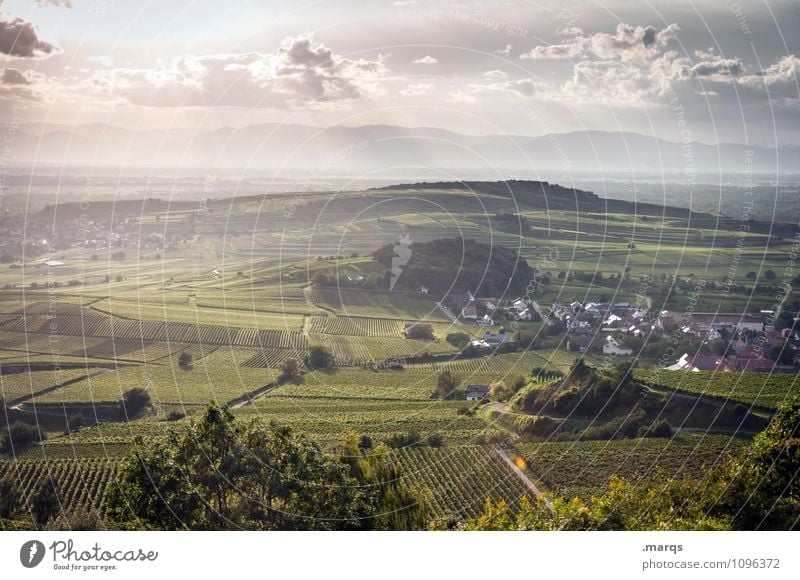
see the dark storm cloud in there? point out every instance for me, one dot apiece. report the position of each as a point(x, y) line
point(19, 38)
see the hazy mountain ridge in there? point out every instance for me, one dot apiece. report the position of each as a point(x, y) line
point(277, 147)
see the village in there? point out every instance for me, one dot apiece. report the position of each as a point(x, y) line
point(693, 341)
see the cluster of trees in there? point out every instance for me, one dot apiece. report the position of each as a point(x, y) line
point(317, 358)
point(758, 490)
point(458, 339)
point(221, 473)
point(447, 386)
point(371, 280)
point(460, 265)
point(420, 331)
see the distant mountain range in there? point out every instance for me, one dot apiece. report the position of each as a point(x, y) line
point(385, 148)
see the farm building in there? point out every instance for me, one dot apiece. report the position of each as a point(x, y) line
point(477, 392)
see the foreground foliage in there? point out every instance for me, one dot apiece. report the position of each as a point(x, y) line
point(757, 491)
point(222, 473)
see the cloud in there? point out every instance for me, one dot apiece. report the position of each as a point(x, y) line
point(463, 97)
point(63, 3)
point(426, 60)
point(416, 90)
point(12, 76)
point(495, 74)
point(20, 39)
point(520, 87)
point(783, 71)
point(628, 42)
point(302, 72)
point(504, 51)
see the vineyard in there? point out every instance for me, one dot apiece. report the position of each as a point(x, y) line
point(583, 468)
point(365, 384)
point(348, 302)
point(327, 419)
point(20, 386)
point(79, 483)
point(461, 478)
point(355, 350)
point(115, 328)
point(762, 389)
point(216, 377)
point(499, 364)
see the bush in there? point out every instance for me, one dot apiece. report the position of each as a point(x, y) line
point(400, 440)
point(9, 497)
point(458, 339)
point(290, 370)
point(175, 416)
point(135, 400)
point(44, 502)
point(420, 332)
point(185, 360)
point(75, 423)
point(658, 429)
point(320, 358)
point(78, 520)
point(19, 435)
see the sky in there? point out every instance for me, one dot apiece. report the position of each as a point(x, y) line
point(712, 71)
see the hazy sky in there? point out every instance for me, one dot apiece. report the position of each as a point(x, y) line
point(723, 70)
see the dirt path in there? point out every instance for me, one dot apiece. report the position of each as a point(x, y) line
point(521, 474)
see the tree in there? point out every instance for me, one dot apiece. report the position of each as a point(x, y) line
point(19, 435)
point(751, 276)
point(770, 275)
point(135, 400)
point(290, 370)
point(44, 502)
point(458, 339)
point(9, 497)
point(320, 358)
point(185, 360)
point(420, 332)
point(446, 385)
point(782, 354)
point(219, 472)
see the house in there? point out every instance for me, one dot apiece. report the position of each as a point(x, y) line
point(489, 303)
point(613, 347)
point(477, 392)
point(492, 338)
point(527, 314)
point(683, 364)
point(585, 343)
point(726, 320)
point(469, 311)
point(486, 320)
point(422, 289)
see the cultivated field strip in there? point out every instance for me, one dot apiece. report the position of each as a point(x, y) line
point(461, 478)
point(179, 332)
point(79, 483)
point(272, 357)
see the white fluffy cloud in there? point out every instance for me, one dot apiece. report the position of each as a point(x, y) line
point(302, 72)
point(427, 59)
point(416, 90)
point(627, 43)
